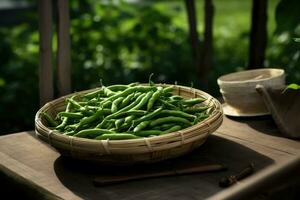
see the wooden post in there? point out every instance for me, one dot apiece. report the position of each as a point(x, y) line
point(63, 53)
point(207, 47)
point(45, 31)
point(192, 20)
point(258, 35)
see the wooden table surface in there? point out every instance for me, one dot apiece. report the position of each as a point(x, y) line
point(27, 161)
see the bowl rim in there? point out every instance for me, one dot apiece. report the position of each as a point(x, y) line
point(220, 80)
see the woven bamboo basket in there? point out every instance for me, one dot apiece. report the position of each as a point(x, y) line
point(123, 152)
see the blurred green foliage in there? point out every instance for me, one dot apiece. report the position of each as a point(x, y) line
point(123, 42)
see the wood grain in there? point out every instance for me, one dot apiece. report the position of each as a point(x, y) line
point(63, 53)
point(237, 143)
point(45, 70)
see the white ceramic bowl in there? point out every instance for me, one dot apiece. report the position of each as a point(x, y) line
point(239, 90)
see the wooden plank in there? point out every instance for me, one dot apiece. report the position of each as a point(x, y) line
point(63, 53)
point(261, 131)
point(258, 34)
point(45, 70)
point(24, 180)
point(37, 162)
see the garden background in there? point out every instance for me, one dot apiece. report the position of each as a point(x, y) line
point(125, 41)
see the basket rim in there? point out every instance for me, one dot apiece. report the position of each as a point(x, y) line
point(210, 98)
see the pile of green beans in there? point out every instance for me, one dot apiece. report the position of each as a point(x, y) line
point(129, 111)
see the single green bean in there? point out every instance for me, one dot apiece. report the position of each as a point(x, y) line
point(194, 101)
point(117, 136)
point(65, 119)
point(51, 122)
point(74, 103)
point(115, 103)
point(147, 133)
point(129, 119)
point(108, 92)
point(93, 94)
point(92, 133)
point(154, 97)
point(148, 116)
point(141, 126)
point(127, 100)
point(169, 119)
point(178, 113)
point(172, 129)
point(70, 115)
point(115, 88)
point(119, 122)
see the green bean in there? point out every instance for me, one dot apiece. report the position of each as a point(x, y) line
point(65, 119)
point(178, 113)
point(93, 94)
point(172, 129)
point(148, 116)
point(195, 109)
point(167, 126)
point(200, 118)
point(129, 91)
point(169, 119)
point(92, 133)
point(70, 115)
point(74, 103)
point(119, 122)
point(194, 101)
point(143, 101)
point(115, 103)
point(107, 104)
point(115, 88)
point(117, 136)
point(87, 120)
point(176, 98)
point(51, 122)
point(154, 97)
point(168, 89)
point(167, 104)
point(127, 100)
point(108, 92)
point(129, 119)
point(148, 133)
point(141, 126)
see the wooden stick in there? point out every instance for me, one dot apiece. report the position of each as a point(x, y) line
point(45, 30)
point(63, 53)
point(108, 180)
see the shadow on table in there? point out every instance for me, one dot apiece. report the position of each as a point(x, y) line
point(78, 176)
point(263, 124)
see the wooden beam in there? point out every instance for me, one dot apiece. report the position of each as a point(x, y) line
point(63, 53)
point(45, 70)
point(207, 46)
point(258, 34)
point(195, 44)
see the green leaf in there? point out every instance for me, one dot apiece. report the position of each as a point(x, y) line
point(292, 86)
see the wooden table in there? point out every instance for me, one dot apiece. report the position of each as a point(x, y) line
point(36, 169)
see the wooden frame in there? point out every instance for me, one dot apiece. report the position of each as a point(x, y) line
point(46, 85)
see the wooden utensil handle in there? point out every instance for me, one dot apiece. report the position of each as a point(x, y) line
point(107, 180)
